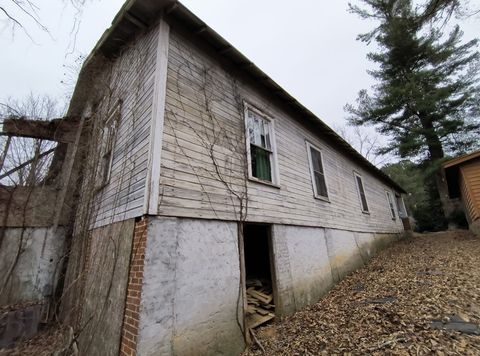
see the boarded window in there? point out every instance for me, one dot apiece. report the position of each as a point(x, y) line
point(260, 141)
point(361, 193)
point(391, 205)
point(317, 172)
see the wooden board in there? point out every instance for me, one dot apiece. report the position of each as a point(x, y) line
point(264, 298)
point(255, 320)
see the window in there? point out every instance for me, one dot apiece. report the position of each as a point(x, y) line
point(317, 173)
point(402, 211)
point(108, 136)
point(390, 204)
point(260, 147)
point(361, 192)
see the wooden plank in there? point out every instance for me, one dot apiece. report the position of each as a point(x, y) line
point(264, 298)
point(255, 320)
point(60, 130)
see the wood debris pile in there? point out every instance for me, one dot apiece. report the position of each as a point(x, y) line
point(260, 308)
point(400, 303)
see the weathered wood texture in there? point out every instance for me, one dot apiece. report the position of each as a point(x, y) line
point(60, 130)
point(470, 187)
point(130, 80)
point(203, 158)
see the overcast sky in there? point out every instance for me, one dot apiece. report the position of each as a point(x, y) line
point(306, 46)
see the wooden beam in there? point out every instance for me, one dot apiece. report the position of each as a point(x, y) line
point(24, 164)
point(134, 20)
point(60, 130)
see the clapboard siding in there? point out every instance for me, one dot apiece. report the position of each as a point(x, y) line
point(132, 80)
point(204, 164)
point(470, 186)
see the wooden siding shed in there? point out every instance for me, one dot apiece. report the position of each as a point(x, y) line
point(463, 179)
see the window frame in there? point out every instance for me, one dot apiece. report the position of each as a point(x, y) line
point(401, 210)
point(355, 175)
point(108, 140)
point(391, 204)
point(274, 172)
point(310, 146)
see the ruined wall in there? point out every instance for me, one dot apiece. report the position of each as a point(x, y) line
point(191, 302)
point(29, 263)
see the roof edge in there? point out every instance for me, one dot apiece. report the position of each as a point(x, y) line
point(461, 159)
point(172, 9)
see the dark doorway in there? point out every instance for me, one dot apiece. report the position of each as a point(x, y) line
point(257, 252)
point(258, 265)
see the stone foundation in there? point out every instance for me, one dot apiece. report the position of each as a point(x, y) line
point(191, 297)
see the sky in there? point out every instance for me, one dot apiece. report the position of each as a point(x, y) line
point(309, 47)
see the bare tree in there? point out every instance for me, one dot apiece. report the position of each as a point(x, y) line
point(366, 143)
point(25, 161)
point(26, 15)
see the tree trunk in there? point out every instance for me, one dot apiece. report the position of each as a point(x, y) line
point(436, 153)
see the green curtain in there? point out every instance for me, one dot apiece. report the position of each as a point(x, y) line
point(261, 163)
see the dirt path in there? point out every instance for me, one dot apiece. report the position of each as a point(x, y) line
point(388, 306)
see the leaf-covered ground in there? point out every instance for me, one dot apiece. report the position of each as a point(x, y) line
point(387, 307)
point(47, 342)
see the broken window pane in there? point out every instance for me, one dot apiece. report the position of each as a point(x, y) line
point(260, 146)
point(259, 130)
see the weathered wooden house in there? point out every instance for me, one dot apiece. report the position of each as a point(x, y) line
point(199, 174)
point(463, 180)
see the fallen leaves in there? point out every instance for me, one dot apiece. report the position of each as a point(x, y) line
point(45, 343)
point(388, 306)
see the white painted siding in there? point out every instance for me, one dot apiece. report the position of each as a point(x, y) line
point(193, 135)
point(131, 79)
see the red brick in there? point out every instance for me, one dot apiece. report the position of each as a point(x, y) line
point(134, 289)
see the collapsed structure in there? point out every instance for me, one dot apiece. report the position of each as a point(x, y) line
point(195, 198)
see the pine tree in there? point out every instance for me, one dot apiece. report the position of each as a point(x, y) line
point(427, 98)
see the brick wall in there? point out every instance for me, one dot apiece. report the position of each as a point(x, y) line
point(128, 343)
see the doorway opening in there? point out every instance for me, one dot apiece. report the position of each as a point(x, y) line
point(258, 271)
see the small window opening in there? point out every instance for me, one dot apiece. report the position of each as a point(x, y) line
point(317, 172)
point(391, 205)
point(361, 193)
point(260, 303)
point(402, 211)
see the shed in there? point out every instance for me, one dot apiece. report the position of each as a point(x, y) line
point(463, 178)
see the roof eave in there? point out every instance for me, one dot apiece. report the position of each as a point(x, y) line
point(148, 11)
